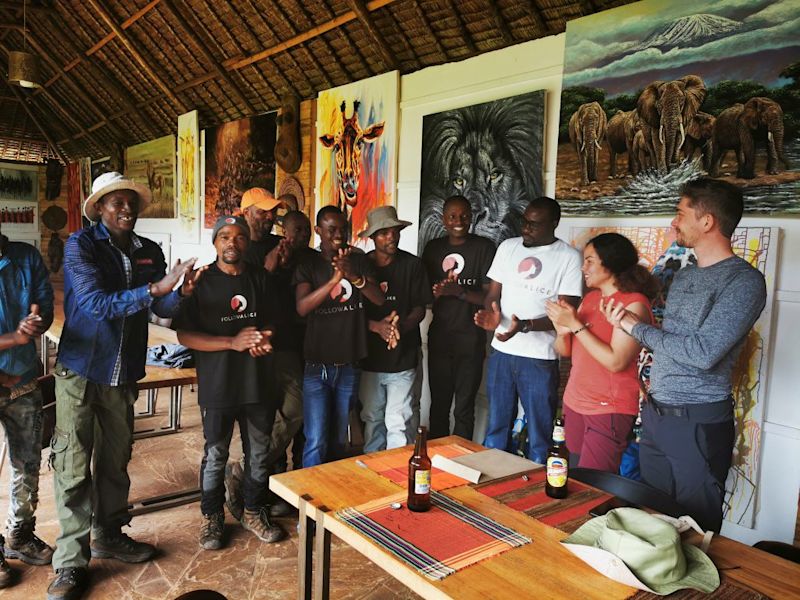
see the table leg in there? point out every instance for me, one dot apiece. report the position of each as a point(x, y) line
point(304, 552)
point(44, 349)
point(322, 551)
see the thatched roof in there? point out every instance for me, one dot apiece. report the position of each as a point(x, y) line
point(120, 72)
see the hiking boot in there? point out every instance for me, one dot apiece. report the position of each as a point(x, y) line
point(211, 531)
point(280, 508)
point(122, 547)
point(233, 489)
point(7, 574)
point(23, 544)
point(70, 584)
point(257, 521)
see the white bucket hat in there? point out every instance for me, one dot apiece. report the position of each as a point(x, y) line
point(111, 182)
point(644, 551)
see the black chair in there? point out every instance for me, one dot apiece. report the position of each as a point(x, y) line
point(630, 491)
point(786, 551)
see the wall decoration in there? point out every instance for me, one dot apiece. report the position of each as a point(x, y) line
point(163, 241)
point(491, 153)
point(238, 155)
point(659, 92)
point(54, 174)
point(19, 184)
point(74, 197)
point(102, 165)
point(357, 147)
point(189, 177)
point(86, 177)
point(55, 252)
point(153, 164)
point(288, 150)
point(757, 245)
point(21, 216)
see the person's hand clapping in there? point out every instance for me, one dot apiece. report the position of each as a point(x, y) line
point(265, 346)
point(488, 319)
point(247, 338)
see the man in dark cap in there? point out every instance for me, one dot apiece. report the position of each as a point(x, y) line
point(228, 323)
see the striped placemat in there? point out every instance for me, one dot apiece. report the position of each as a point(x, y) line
point(525, 493)
point(438, 542)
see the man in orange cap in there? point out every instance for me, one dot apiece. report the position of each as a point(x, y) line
point(260, 210)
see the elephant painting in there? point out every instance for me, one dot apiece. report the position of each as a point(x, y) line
point(698, 135)
point(639, 154)
point(617, 144)
point(666, 108)
point(587, 126)
point(738, 127)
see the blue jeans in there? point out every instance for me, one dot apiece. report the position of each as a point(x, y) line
point(329, 392)
point(535, 382)
point(387, 409)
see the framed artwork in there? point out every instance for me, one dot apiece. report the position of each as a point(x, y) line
point(189, 177)
point(356, 148)
point(663, 257)
point(491, 153)
point(658, 92)
point(238, 155)
point(153, 164)
point(19, 184)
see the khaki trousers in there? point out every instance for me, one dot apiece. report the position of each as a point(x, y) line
point(90, 450)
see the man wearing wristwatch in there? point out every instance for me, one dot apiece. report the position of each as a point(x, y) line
point(112, 277)
point(330, 285)
point(688, 427)
point(526, 272)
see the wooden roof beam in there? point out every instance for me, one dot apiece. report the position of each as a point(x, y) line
point(361, 10)
point(36, 122)
point(79, 59)
point(190, 32)
point(308, 35)
point(137, 55)
point(53, 101)
point(500, 23)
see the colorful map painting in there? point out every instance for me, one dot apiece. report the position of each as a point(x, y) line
point(757, 245)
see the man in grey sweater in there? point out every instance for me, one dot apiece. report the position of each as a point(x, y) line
point(687, 423)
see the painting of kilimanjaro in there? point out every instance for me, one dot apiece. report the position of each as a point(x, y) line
point(660, 92)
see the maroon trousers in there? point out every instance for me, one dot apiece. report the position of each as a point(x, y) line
point(600, 440)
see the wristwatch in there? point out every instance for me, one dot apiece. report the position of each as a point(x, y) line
point(526, 326)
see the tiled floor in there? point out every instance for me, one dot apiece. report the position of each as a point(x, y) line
point(245, 569)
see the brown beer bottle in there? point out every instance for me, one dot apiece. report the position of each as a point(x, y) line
point(419, 474)
point(557, 463)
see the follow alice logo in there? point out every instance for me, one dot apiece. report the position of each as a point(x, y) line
point(342, 291)
point(239, 303)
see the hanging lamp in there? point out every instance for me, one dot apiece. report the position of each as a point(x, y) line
point(23, 67)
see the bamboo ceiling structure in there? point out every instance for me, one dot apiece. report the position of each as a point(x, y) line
point(119, 73)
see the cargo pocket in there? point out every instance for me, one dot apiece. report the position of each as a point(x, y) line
point(58, 450)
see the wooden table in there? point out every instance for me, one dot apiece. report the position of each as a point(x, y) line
point(155, 377)
point(541, 569)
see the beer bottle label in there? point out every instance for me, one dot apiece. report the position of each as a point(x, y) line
point(557, 470)
point(558, 434)
point(422, 482)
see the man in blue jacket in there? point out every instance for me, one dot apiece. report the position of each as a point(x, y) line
point(111, 278)
point(26, 311)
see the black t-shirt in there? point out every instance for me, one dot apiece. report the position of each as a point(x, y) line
point(223, 305)
point(406, 286)
point(453, 318)
point(257, 251)
point(336, 331)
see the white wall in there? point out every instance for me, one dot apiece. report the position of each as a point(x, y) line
point(537, 65)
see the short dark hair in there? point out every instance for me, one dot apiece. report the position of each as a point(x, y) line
point(456, 198)
point(720, 199)
point(326, 211)
point(548, 204)
point(294, 214)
